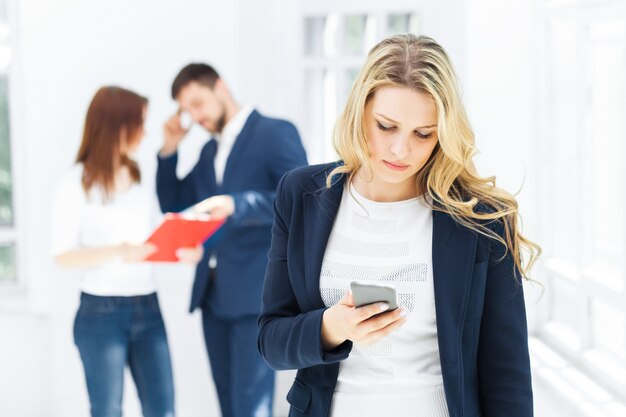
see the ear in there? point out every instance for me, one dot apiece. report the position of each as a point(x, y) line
point(220, 89)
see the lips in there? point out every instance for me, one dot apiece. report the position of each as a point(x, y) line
point(395, 166)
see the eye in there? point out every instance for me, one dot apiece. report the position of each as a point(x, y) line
point(383, 127)
point(423, 135)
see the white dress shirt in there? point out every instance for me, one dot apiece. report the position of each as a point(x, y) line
point(86, 221)
point(227, 138)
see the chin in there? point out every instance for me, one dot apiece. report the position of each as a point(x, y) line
point(391, 178)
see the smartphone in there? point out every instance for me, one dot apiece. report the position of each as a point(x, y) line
point(364, 294)
point(184, 120)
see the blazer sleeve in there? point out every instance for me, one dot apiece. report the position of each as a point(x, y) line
point(254, 207)
point(174, 194)
point(503, 359)
point(289, 338)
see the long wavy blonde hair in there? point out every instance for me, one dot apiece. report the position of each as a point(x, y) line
point(449, 176)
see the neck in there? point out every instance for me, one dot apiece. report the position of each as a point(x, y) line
point(374, 189)
point(232, 109)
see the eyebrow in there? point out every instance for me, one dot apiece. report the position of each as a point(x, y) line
point(393, 121)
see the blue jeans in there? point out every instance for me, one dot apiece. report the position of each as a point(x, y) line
point(111, 332)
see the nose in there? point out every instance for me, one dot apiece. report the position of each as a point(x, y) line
point(399, 146)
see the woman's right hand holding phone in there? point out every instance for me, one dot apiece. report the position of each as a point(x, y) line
point(364, 325)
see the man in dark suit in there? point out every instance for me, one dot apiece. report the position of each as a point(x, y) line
point(235, 178)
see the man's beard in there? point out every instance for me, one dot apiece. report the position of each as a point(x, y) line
point(220, 122)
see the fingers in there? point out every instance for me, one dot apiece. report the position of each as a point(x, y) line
point(377, 324)
point(146, 250)
point(173, 121)
point(384, 331)
point(365, 312)
point(173, 127)
point(133, 252)
point(203, 207)
point(218, 213)
point(347, 299)
point(219, 206)
point(190, 255)
point(380, 321)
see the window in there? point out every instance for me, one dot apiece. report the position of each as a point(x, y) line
point(584, 187)
point(335, 46)
point(7, 217)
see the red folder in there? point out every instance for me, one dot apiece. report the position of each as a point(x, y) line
point(180, 231)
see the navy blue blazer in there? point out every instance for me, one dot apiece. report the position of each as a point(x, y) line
point(263, 152)
point(479, 303)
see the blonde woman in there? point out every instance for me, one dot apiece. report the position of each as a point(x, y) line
point(406, 207)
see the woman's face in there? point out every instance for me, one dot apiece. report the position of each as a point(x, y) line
point(401, 129)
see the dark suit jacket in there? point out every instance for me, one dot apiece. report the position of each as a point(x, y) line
point(265, 149)
point(479, 303)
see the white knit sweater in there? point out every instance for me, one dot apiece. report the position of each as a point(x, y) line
point(388, 243)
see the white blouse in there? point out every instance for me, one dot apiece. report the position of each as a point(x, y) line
point(85, 221)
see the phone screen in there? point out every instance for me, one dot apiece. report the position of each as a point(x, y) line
point(365, 294)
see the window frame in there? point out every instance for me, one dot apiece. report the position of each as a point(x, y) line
point(15, 233)
point(559, 271)
point(338, 64)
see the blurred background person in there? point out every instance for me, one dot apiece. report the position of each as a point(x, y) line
point(101, 216)
point(235, 178)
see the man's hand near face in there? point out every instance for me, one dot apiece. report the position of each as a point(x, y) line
point(173, 134)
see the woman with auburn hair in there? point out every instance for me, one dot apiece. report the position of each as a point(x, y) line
point(404, 207)
point(101, 216)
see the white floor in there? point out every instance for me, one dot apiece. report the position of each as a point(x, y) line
point(32, 386)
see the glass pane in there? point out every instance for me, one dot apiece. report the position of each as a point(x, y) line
point(6, 195)
point(349, 77)
point(3, 11)
point(563, 158)
point(320, 35)
point(606, 107)
point(398, 23)
point(609, 328)
point(401, 23)
point(354, 34)
point(314, 107)
point(7, 262)
point(330, 114)
point(314, 35)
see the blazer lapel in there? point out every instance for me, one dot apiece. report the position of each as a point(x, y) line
point(207, 167)
point(320, 211)
point(454, 251)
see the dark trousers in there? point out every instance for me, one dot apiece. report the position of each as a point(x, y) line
point(112, 332)
point(244, 382)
